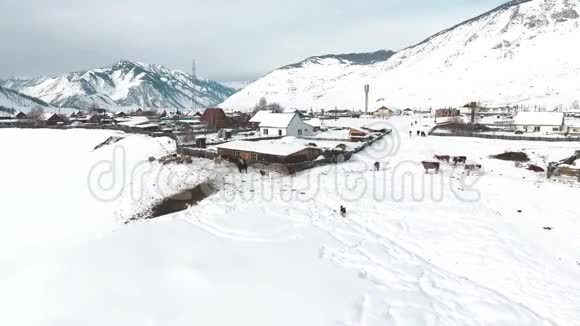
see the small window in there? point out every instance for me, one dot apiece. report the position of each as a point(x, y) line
point(265, 131)
point(279, 132)
point(299, 132)
point(236, 154)
point(254, 157)
point(555, 129)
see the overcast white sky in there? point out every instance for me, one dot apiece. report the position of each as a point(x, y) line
point(231, 40)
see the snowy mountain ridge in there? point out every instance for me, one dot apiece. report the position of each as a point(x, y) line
point(522, 52)
point(12, 101)
point(124, 84)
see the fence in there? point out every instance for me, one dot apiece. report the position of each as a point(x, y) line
point(501, 136)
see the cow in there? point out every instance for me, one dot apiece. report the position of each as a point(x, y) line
point(459, 159)
point(442, 158)
point(377, 166)
point(242, 166)
point(429, 165)
point(472, 166)
point(535, 168)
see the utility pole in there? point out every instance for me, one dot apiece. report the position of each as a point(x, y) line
point(367, 88)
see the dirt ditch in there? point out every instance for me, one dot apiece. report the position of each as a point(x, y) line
point(178, 202)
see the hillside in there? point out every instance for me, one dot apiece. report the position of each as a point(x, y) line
point(523, 52)
point(12, 101)
point(125, 84)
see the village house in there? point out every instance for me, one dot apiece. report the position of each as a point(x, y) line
point(255, 121)
point(445, 116)
point(51, 119)
point(284, 124)
point(544, 122)
point(383, 112)
point(572, 128)
point(20, 116)
point(407, 111)
point(268, 152)
point(215, 118)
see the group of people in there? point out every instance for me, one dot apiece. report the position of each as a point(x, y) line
point(419, 132)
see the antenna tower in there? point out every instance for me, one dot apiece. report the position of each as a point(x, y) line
point(193, 83)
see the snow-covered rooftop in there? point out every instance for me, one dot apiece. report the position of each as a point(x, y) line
point(264, 147)
point(315, 122)
point(277, 120)
point(45, 116)
point(539, 118)
point(257, 118)
point(135, 121)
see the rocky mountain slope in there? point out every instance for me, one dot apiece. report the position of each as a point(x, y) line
point(523, 52)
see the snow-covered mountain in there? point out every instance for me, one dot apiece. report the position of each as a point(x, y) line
point(124, 84)
point(13, 101)
point(237, 84)
point(525, 51)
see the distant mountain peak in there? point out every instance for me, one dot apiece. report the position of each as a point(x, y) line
point(364, 58)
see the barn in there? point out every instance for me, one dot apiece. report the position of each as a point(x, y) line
point(215, 118)
point(268, 152)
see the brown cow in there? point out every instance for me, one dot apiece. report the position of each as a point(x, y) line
point(442, 158)
point(428, 165)
point(535, 168)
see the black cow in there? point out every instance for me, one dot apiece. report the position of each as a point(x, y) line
point(459, 159)
point(242, 166)
point(377, 166)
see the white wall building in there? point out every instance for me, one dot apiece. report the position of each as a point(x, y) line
point(542, 122)
point(284, 124)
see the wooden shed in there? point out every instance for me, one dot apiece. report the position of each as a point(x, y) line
point(215, 118)
point(268, 152)
point(358, 135)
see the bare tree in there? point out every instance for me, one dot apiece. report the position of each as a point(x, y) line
point(36, 112)
point(262, 103)
point(276, 108)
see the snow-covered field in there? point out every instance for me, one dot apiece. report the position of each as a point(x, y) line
point(445, 249)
